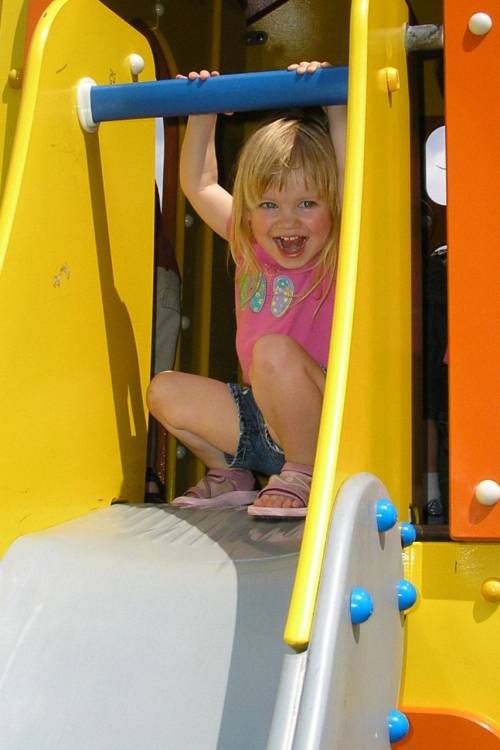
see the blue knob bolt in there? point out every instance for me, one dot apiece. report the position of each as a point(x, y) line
point(398, 726)
point(407, 594)
point(361, 605)
point(408, 533)
point(387, 515)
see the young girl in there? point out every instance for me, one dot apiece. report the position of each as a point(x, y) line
point(282, 224)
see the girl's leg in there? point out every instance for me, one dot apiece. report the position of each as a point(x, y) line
point(288, 387)
point(199, 412)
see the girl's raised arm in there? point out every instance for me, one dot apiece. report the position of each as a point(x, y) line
point(198, 171)
point(337, 118)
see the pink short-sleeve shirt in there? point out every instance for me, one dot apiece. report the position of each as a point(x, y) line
point(276, 306)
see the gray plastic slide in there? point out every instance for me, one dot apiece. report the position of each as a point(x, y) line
point(144, 628)
point(149, 628)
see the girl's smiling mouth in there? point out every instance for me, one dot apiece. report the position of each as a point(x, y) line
point(291, 246)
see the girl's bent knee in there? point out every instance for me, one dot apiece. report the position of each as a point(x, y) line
point(274, 351)
point(157, 394)
point(169, 399)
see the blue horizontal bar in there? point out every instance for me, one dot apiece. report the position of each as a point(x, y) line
point(239, 92)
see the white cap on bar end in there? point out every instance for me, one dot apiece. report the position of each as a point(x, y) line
point(83, 107)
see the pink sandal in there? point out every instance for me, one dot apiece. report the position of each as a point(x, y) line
point(294, 482)
point(220, 488)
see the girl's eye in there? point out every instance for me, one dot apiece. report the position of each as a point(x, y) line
point(308, 204)
point(267, 204)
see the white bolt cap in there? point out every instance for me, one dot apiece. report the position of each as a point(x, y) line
point(83, 107)
point(488, 492)
point(136, 63)
point(480, 24)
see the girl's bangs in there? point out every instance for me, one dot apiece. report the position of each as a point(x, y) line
point(277, 176)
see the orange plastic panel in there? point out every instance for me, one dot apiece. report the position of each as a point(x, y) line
point(472, 81)
point(437, 729)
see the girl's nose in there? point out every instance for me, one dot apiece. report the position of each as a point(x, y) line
point(288, 214)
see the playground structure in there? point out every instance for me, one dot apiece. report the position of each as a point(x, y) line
point(76, 290)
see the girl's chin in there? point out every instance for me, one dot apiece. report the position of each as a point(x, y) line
point(291, 256)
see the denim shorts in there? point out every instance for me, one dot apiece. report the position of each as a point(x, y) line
point(256, 449)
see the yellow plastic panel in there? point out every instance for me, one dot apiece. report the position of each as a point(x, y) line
point(453, 649)
point(366, 422)
point(76, 251)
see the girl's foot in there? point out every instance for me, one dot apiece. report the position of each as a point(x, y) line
point(220, 488)
point(286, 495)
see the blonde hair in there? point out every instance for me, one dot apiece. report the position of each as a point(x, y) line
point(269, 157)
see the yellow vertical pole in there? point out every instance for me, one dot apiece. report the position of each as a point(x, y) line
point(366, 420)
point(203, 281)
point(205, 260)
point(180, 231)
